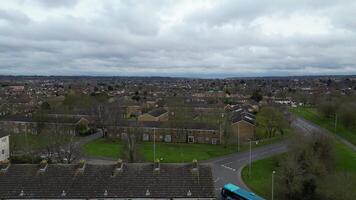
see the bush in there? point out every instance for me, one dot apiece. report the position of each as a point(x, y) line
point(23, 159)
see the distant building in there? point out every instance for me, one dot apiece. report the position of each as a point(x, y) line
point(167, 132)
point(120, 181)
point(49, 124)
point(155, 115)
point(4, 147)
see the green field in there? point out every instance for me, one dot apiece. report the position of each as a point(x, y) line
point(260, 180)
point(312, 115)
point(169, 152)
point(103, 148)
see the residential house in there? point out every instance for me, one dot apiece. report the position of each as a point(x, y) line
point(117, 181)
point(49, 124)
point(167, 132)
point(155, 115)
point(243, 124)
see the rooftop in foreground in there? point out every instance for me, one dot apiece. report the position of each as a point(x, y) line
point(139, 180)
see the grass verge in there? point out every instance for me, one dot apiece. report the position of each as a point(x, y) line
point(312, 115)
point(260, 179)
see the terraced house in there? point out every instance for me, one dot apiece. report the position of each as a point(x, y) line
point(167, 132)
point(118, 181)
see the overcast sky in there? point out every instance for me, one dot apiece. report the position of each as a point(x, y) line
point(178, 38)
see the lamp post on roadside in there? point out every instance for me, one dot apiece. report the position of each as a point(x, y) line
point(250, 161)
point(335, 122)
point(273, 172)
point(238, 138)
point(154, 144)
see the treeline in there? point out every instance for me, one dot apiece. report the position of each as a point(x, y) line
point(308, 172)
point(340, 108)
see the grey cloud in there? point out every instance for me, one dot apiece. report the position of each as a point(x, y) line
point(53, 3)
point(13, 16)
point(126, 37)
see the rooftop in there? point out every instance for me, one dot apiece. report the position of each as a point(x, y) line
point(138, 180)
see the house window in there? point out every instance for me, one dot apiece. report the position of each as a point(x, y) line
point(214, 141)
point(190, 139)
point(167, 138)
point(145, 137)
point(3, 151)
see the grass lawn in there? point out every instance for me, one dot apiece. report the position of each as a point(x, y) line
point(312, 115)
point(345, 158)
point(260, 180)
point(104, 148)
point(261, 175)
point(169, 152)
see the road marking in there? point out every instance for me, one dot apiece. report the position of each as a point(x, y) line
point(229, 168)
point(227, 163)
point(217, 180)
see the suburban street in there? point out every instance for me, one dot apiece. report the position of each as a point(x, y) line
point(227, 169)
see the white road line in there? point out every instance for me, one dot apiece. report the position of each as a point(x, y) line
point(229, 168)
point(217, 180)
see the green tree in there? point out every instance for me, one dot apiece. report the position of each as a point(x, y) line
point(256, 95)
point(272, 120)
point(310, 158)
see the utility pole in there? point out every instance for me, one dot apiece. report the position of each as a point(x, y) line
point(335, 122)
point(238, 137)
point(250, 162)
point(273, 172)
point(154, 144)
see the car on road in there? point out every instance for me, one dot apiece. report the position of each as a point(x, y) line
point(234, 192)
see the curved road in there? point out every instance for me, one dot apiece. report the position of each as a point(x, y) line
point(228, 169)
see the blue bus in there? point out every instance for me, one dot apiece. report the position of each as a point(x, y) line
point(233, 192)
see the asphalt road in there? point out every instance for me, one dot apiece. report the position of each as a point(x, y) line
point(308, 127)
point(227, 169)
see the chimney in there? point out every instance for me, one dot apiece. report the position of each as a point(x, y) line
point(119, 165)
point(81, 166)
point(4, 165)
point(156, 165)
point(148, 193)
point(63, 194)
point(195, 164)
point(43, 166)
point(189, 193)
point(22, 193)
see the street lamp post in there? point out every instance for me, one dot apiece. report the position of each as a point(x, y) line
point(238, 138)
point(154, 144)
point(335, 122)
point(273, 172)
point(250, 161)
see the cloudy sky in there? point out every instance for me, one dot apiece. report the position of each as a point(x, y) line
point(178, 38)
